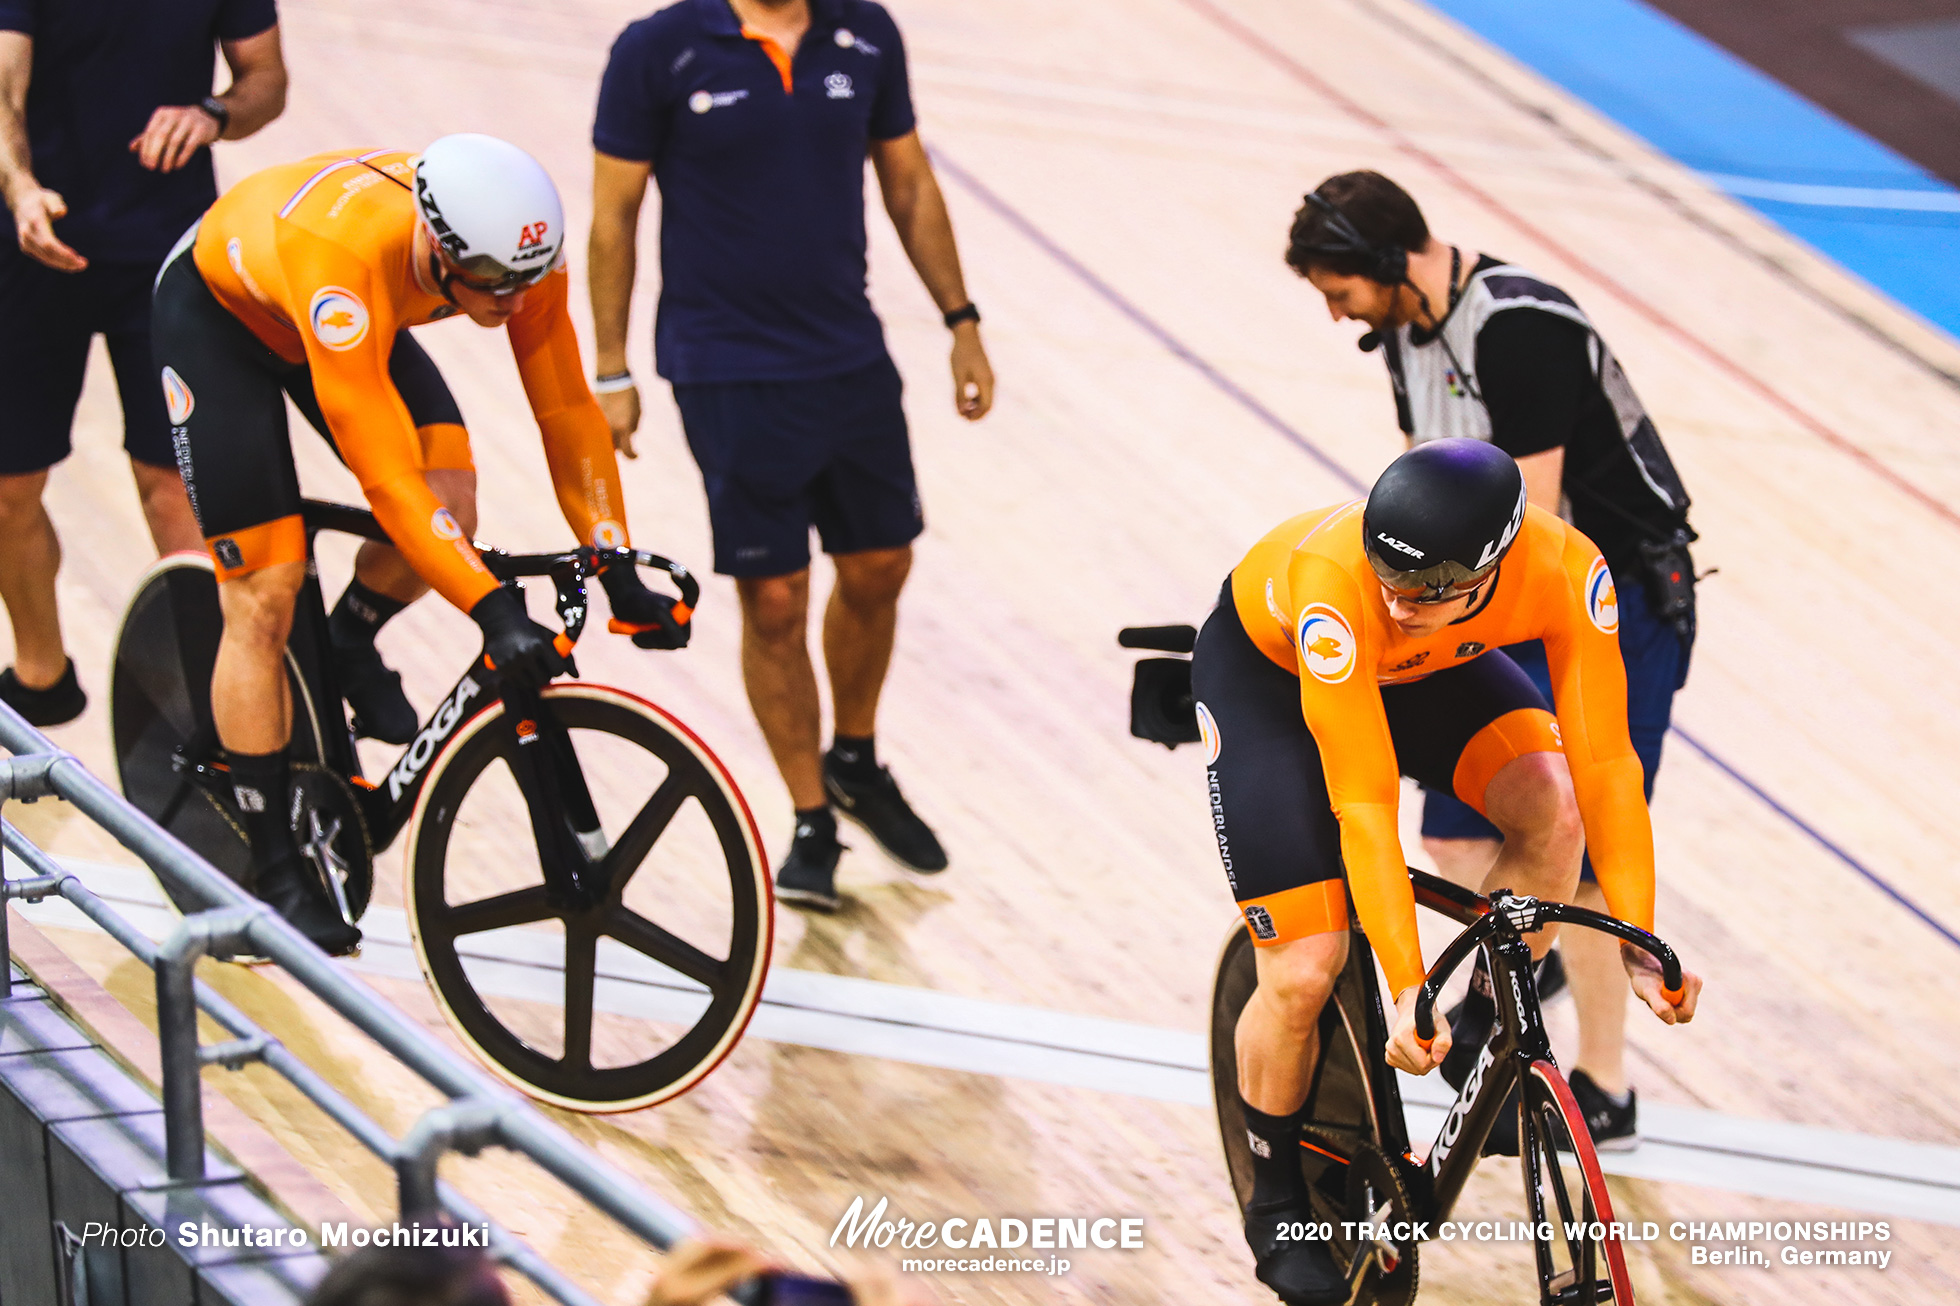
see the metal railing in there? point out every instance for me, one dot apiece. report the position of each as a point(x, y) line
point(480, 1112)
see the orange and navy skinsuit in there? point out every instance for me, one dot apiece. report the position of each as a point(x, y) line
point(316, 259)
point(1312, 605)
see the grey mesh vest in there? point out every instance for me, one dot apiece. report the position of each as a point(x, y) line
point(1436, 393)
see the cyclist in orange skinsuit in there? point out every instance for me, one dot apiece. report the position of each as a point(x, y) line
point(328, 244)
point(1357, 644)
point(1554, 589)
point(301, 282)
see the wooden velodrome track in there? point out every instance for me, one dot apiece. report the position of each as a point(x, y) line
point(1121, 176)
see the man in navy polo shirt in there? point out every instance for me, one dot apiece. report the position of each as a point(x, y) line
point(754, 117)
point(106, 114)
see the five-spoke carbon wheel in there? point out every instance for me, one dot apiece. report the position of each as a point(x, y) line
point(625, 996)
point(1582, 1260)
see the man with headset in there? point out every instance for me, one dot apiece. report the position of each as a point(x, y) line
point(1479, 348)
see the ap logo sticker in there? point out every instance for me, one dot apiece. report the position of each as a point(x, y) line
point(1602, 600)
point(339, 318)
point(1326, 643)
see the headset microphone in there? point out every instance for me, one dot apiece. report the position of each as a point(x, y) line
point(1369, 342)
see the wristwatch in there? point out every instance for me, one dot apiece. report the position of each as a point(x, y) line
point(218, 109)
point(966, 312)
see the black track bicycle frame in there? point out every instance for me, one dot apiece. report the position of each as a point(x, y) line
point(1520, 1039)
point(1498, 924)
point(540, 752)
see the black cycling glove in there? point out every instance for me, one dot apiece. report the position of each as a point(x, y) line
point(653, 620)
point(515, 648)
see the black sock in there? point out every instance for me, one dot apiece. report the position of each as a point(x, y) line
point(855, 756)
point(259, 783)
point(1275, 1141)
point(816, 823)
point(359, 617)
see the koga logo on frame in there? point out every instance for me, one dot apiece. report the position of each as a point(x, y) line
point(418, 753)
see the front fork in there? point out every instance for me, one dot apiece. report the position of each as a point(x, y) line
point(564, 821)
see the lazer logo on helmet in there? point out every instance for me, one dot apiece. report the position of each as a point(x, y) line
point(417, 754)
point(1409, 549)
point(444, 233)
point(1495, 549)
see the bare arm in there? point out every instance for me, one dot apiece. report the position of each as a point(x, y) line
point(256, 96)
point(1544, 478)
point(918, 212)
point(257, 93)
point(619, 187)
point(35, 209)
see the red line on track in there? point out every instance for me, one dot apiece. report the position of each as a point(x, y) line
point(1400, 140)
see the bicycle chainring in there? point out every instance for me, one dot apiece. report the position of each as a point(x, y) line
point(332, 837)
point(1375, 1192)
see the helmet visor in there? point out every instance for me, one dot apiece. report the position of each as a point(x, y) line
point(483, 273)
point(1438, 584)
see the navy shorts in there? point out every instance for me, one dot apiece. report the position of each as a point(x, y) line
point(1655, 662)
point(236, 454)
point(47, 319)
point(778, 457)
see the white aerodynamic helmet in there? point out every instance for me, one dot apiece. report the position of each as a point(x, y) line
point(492, 210)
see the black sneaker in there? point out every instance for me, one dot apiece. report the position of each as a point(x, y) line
point(1471, 1027)
point(1551, 977)
point(381, 710)
point(292, 887)
point(1470, 1033)
point(808, 876)
point(877, 808)
point(56, 705)
point(1614, 1127)
point(1301, 1271)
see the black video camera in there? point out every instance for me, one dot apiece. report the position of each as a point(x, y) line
point(1161, 708)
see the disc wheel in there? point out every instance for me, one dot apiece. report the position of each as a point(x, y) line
point(1582, 1262)
point(1230, 991)
point(160, 723)
point(634, 998)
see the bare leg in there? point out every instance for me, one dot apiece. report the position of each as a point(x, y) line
point(166, 508)
point(1463, 862)
point(249, 699)
point(1277, 1040)
point(30, 555)
point(382, 569)
point(859, 625)
point(1599, 987)
point(1531, 801)
point(781, 681)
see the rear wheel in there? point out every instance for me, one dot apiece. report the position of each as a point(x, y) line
point(1350, 1179)
point(160, 722)
point(610, 1004)
point(1582, 1261)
